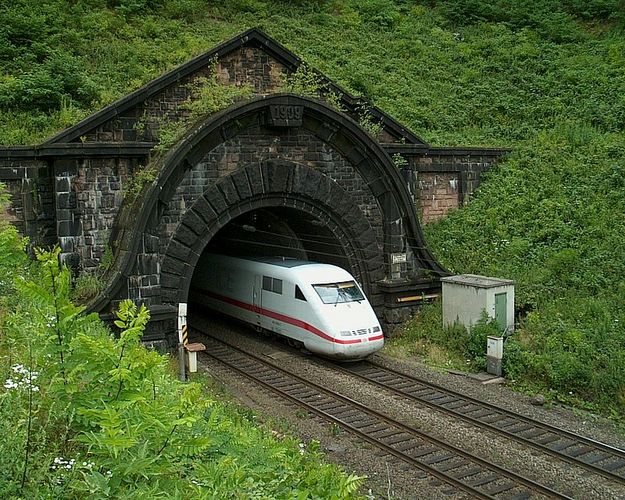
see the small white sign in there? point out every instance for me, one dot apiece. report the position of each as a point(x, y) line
point(398, 258)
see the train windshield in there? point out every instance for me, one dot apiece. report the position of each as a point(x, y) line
point(338, 293)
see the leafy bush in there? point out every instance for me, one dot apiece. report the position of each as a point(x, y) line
point(383, 13)
point(87, 413)
point(550, 218)
point(552, 18)
point(425, 335)
point(208, 95)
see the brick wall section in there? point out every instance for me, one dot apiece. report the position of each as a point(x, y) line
point(443, 182)
point(437, 195)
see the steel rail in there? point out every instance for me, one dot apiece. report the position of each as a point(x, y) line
point(581, 445)
point(435, 445)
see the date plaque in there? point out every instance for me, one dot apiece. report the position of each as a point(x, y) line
point(285, 115)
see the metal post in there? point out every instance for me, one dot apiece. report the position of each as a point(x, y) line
point(183, 339)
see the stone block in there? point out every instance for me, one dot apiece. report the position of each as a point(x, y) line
point(69, 228)
point(66, 244)
point(194, 222)
point(147, 263)
point(63, 214)
point(255, 177)
point(229, 191)
point(178, 250)
point(204, 210)
point(323, 189)
point(275, 177)
point(171, 281)
point(150, 243)
point(174, 266)
point(170, 295)
point(216, 200)
point(186, 236)
point(242, 184)
point(66, 200)
point(62, 185)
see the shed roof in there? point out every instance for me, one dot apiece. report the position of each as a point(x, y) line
point(474, 280)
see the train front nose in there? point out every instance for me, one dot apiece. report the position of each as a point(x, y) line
point(355, 330)
point(358, 348)
point(357, 343)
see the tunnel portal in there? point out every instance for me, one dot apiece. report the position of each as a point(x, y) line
point(300, 167)
point(315, 187)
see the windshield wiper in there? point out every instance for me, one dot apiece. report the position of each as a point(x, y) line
point(338, 295)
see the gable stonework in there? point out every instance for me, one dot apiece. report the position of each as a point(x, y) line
point(244, 66)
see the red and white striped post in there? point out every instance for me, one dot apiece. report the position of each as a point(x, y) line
point(183, 339)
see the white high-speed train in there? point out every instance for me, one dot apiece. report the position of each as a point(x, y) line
point(319, 305)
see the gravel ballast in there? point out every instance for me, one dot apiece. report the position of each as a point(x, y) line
point(388, 477)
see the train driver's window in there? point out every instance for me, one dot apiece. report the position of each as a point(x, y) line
point(298, 294)
point(277, 286)
point(267, 283)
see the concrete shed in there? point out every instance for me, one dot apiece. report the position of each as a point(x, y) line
point(465, 296)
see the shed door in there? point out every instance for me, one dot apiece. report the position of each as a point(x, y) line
point(258, 286)
point(501, 310)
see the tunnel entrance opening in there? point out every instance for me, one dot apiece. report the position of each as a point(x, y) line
point(279, 232)
point(273, 232)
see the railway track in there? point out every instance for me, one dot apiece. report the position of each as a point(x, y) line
point(463, 471)
point(593, 455)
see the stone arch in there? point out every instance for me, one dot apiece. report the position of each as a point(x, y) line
point(401, 230)
point(269, 184)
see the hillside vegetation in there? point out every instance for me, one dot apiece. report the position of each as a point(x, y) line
point(86, 414)
point(545, 77)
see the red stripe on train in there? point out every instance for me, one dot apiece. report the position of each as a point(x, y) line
point(282, 317)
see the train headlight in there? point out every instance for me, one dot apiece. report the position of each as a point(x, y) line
point(345, 333)
point(376, 329)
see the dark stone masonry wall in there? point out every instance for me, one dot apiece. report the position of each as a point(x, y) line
point(252, 66)
point(88, 196)
point(261, 144)
point(32, 208)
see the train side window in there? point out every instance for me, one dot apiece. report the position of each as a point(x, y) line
point(272, 285)
point(298, 294)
